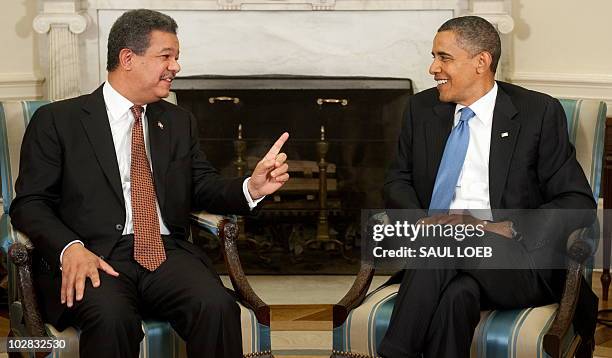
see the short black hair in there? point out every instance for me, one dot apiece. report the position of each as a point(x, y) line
point(132, 30)
point(475, 35)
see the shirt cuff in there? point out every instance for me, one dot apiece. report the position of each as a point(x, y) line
point(65, 247)
point(252, 203)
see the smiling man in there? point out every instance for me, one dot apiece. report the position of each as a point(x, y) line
point(105, 187)
point(473, 143)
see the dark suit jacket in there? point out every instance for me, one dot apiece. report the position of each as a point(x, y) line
point(69, 186)
point(534, 167)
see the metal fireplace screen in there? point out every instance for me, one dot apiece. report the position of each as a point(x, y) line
point(343, 134)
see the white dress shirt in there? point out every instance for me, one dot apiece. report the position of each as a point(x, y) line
point(121, 121)
point(472, 191)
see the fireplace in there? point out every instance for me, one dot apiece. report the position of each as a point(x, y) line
point(361, 120)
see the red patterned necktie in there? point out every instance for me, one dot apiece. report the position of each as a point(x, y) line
point(148, 246)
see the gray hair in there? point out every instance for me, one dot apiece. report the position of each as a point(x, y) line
point(132, 30)
point(475, 35)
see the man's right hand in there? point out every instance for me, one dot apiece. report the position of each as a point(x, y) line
point(78, 264)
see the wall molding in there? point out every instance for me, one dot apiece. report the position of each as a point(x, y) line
point(17, 86)
point(595, 86)
point(282, 5)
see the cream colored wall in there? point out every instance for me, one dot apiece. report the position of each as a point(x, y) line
point(563, 36)
point(563, 47)
point(20, 71)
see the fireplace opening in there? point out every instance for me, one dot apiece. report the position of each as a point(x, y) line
point(343, 134)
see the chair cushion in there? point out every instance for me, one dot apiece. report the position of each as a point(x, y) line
point(14, 118)
point(501, 333)
point(161, 341)
point(586, 125)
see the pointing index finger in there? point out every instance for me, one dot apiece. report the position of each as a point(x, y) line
point(273, 152)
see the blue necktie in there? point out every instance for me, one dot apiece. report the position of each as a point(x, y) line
point(451, 164)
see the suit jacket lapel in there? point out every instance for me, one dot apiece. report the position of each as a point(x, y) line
point(437, 131)
point(502, 147)
point(97, 128)
point(159, 143)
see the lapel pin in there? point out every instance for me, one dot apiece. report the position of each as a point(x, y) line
point(504, 134)
point(160, 125)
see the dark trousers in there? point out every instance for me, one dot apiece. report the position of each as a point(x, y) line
point(182, 291)
point(437, 310)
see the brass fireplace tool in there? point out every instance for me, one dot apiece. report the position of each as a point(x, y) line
point(323, 236)
point(322, 223)
point(240, 163)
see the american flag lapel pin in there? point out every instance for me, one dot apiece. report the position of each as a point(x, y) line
point(160, 125)
point(504, 134)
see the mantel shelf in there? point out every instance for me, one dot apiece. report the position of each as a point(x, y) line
point(289, 82)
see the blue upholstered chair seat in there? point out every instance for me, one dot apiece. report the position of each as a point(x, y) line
point(508, 333)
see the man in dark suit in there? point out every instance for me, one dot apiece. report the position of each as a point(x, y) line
point(474, 143)
point(106, 184)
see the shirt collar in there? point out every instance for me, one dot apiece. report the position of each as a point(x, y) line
point(116, 104)
point(484, 106)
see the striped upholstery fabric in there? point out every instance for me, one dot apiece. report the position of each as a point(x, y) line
point(366, 325)
point(586, 120)
point(510, 333)
point(14, 118)
point(501, 333)
point(160, 339)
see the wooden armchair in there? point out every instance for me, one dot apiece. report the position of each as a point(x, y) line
point(361, 321)
point(160, 339)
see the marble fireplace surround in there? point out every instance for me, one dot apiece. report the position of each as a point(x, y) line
point(383, 38)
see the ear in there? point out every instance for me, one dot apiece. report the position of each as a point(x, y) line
point(484, 62)
point(126, 58)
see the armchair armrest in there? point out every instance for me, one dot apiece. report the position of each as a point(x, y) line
point(11, 236)
point(580, 248)
point(226, 228)
point(356, 294)
point(25, 317)
point(21, 256)
point(209, 222)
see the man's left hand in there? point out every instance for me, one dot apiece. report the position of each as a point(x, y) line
point(271, 171)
